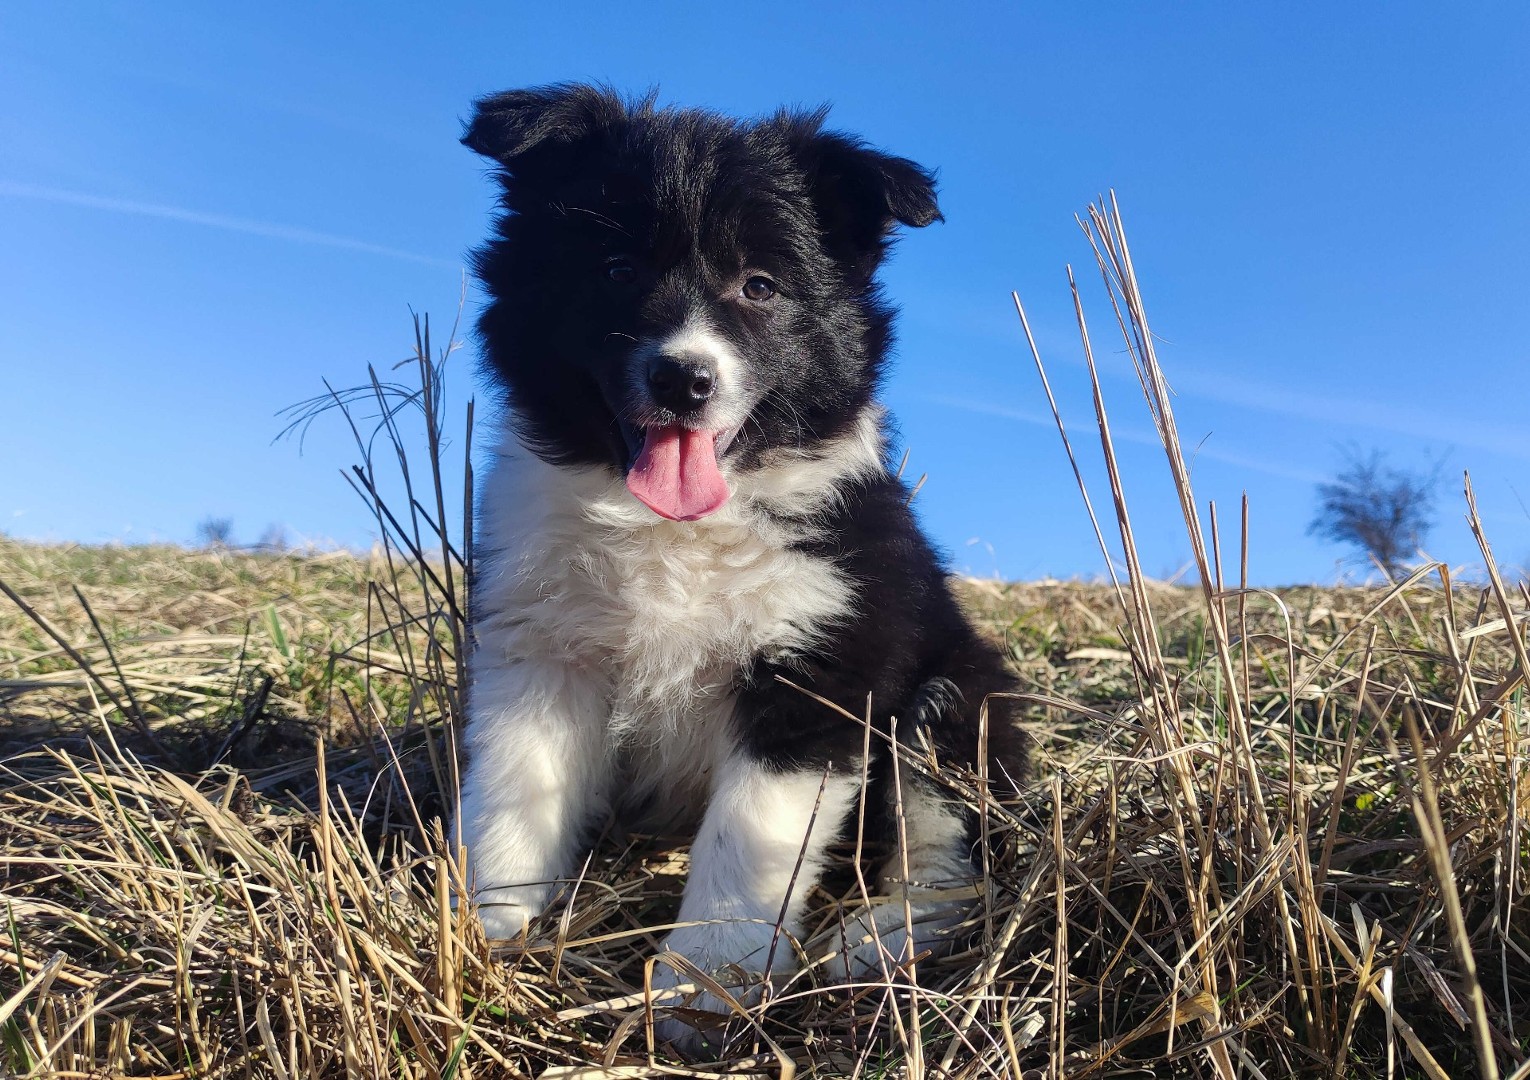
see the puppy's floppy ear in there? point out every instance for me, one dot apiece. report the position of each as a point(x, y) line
point(861, 194)
point(534, 131)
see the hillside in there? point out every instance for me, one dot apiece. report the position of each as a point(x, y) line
point(186, 900)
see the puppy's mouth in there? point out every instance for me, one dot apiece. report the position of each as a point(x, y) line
point(675, 471)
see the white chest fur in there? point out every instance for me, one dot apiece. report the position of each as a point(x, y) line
point(608, 649)
point(661, 615)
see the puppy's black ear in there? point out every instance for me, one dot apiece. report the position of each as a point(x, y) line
point(861, 194)
point(540, 131)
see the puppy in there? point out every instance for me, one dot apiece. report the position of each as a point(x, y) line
point(691, 520)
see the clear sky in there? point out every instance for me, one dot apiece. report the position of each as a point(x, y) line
point(207, 209)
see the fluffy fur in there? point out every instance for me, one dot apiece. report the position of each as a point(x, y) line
point(632, 637)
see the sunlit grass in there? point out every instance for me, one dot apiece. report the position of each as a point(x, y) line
point(1270, 834)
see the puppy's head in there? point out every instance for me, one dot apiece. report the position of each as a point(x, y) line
point(675, 293)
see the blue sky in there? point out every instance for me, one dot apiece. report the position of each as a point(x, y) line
point(207, 209)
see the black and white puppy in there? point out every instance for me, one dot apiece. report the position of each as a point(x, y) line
point(691, 503)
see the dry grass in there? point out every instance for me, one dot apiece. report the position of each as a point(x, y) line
point(1271, 834)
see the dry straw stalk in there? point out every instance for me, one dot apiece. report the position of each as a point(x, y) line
point(1273, 833)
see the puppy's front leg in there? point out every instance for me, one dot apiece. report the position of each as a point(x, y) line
point(760, 850)
point(538, 771)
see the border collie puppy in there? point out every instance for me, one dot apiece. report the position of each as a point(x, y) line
point(691, 507)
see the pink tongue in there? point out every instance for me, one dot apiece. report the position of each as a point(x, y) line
point(676, 474)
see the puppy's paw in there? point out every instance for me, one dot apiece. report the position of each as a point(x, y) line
point(882, 937)
point(701, 1036)
point(505, 913)
point(734, 954)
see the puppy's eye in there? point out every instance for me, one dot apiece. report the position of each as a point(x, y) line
point(759, 289)
point(621, 271)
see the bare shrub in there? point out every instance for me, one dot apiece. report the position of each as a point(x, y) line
point(215, 532)
point(1382, 511)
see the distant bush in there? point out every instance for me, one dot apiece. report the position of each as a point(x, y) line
point(274, 540)
point(215, 532)
point(1382, 511)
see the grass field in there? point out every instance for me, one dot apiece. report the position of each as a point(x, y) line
point(1271, 834)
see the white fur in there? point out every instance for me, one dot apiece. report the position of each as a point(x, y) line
point(758, 854)
point(538, 770)
point(607, 644)
point(803, 482)
point(883, 935)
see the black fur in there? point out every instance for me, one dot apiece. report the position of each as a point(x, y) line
point(693, 200)
point(690, 196)
point(689, 303)
point(909, 646)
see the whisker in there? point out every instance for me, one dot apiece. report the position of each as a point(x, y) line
point(615, 226)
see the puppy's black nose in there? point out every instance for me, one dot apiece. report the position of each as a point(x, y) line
point(680, 385)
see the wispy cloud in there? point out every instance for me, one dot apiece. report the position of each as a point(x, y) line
point(1124, 434)
point(1364, 408)
point(1229, 381)
point(1360, 410)
point(226, 222)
